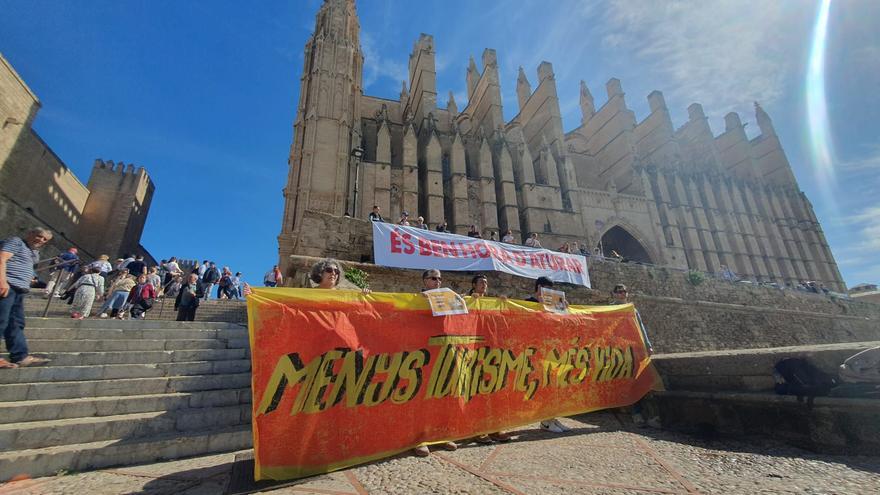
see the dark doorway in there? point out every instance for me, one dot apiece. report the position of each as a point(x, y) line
point(619, 240)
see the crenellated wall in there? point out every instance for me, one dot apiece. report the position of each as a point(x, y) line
point(106, 216)
point(681, 196)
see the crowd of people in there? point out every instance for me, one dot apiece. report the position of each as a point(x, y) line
point(130, 287)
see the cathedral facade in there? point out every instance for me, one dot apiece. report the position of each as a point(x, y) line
point(655, 193)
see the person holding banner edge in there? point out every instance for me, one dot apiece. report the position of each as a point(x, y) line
point(552, 425)
point(432, 279)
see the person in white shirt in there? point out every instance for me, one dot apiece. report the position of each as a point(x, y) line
point(533, 241)
point(203, 268)
point(508, 237)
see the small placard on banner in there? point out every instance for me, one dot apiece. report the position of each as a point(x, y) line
point(445, 302)
point(554, 301)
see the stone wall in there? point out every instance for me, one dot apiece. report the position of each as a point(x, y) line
point(37, 187)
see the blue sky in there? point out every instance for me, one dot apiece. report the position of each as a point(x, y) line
point(203, 93)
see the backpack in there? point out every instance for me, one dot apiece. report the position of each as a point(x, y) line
point(797, 376)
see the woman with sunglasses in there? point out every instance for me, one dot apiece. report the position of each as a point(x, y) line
point(327, 274)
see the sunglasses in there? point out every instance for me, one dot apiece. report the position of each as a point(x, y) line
point(620, 292)
point(434, 278)
point(330, 269)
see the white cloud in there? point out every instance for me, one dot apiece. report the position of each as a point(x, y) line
point(868, 162)
point(378, 67)
point(861, 252)
point(715, 53)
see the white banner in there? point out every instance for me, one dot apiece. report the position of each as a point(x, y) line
point(409, 247)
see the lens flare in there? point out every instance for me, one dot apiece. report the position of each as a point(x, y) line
point(819, 130)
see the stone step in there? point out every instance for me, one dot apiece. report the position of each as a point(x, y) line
point(116, 387)
point(41, 434)
point(117, 371)
point(143, 357)
point(46, 410)
point(118, 334)
point(208, 312)
point(127, 324)
point(65, 345)
point(93, 455)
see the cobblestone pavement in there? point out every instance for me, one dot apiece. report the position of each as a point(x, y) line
point(603, 454)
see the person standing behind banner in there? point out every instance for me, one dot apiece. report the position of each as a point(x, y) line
point(269, 277)
point(473, 232)
point(432, 279)
point(553, 425)
point(508, 237)
point(375, 215)
point(480, 288)
point(533, 241)
point(327, 274)
point(620, 295)
point(188, 298)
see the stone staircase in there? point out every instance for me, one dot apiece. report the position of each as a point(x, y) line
point(124, 392)
point(210, 310)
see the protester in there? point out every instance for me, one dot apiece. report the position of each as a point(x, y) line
point(492, 236)
point(66, 266)
point(442, 226)
point(620, 295)
point(88, 288)
point(420, 223)
point(432, 279)
point(508, 237)
point(553, 425)
point(326, 274)
point(404, 219)
point(279, 280)
point(533, 241)
point(118, 295)
point(188, 298)
point(17, 259)
point(211, 277)
point(480, 288)
point(565, 248)
point(269, 277)
point(375, 215)
point(141, 298)
point(473, 232)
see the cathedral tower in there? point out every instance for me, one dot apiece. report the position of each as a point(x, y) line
point(327, 127)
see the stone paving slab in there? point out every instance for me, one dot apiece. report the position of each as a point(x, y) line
point(603, 455)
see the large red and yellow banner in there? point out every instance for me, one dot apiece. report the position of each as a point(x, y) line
point(341, 378)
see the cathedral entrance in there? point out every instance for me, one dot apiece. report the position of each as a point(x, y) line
point(617, 239)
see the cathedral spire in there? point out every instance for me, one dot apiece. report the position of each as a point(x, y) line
point(764, 122)
point(588, 107)
point(523, 88)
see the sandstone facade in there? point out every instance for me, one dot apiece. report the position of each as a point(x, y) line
point(681, 197)
point(106, 216)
